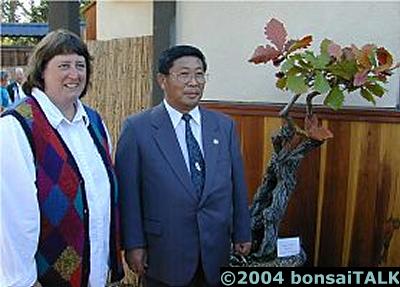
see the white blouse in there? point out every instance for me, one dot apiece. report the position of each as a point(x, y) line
point(19, 209)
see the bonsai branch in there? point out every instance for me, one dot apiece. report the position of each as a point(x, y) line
point(309, 99)
point(285, 111)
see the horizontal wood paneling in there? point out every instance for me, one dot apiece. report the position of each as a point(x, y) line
point(13, 56)
point(384, 115)
point(346, 207)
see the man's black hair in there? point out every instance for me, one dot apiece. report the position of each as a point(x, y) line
point(168, 57)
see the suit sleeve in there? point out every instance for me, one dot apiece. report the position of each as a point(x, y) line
point(127, 167)
point(241, 216)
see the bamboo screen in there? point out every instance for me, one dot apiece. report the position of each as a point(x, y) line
point(121, 79)
point(120, 86)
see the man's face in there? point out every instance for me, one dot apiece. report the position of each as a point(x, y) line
point(19, 76)
point(183, 86)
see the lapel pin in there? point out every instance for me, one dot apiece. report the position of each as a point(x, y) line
point(215, 141)
point(197, 166)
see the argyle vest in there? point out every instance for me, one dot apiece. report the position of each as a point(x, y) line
point(63, 254)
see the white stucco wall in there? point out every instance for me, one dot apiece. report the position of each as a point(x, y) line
point(228, 32)
point(124, 18)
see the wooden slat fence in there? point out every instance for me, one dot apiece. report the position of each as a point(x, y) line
point(346, 207)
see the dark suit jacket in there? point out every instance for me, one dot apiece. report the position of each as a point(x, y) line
point(11, 90)
point(160, 210)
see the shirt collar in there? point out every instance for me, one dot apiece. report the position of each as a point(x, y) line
point(54, 115)
point(176, 116)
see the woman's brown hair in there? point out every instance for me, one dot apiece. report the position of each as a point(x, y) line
point(59, 42)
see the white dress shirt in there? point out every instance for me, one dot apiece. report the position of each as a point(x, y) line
point(18, 92)
point(180, 129)
point(19, 209)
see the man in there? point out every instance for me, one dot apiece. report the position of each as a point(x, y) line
point(15, 88)
point(183, 193)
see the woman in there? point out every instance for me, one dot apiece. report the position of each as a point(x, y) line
point(59, 217)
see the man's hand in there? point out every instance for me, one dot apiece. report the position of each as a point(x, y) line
point(37, 284)
point(137, 260)
point(243, 248)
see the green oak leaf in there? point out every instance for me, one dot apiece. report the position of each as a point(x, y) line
point(324, 46)
point(335, 98)
point(297, 84)
point(345, 69)
point(287, 65)
point(371, 57)
point(309, 57)
point(321, 61)
point(376, 78)
point(304, 64)
point(321, 85)
point(295, 70)
point(281, 83)
point(368, 96)
point(376, 89)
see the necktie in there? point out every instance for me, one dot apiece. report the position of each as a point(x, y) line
point(196, 160)
point(16, 98)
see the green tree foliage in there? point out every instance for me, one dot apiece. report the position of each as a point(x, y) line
point(9, 10)
point(39, 13)
point(13, 11)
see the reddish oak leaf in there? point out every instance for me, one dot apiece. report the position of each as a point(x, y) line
point(276, 33)
point(301, 44)
point(316, 131)
point(362, 56)
point(360, 78)
point(348, 53)
point(385, 60)
point(368, 48)
point(354, 49)
point(289, 44)
point(264, 54)
point(383, 56)
point(367, 51)
point(335, 50)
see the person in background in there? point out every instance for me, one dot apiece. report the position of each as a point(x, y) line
point(59, 210)
point(181, 178)
point(4, 97)
point(15, 87)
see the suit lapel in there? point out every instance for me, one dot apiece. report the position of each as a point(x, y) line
point(211, 141)
point(165, 137)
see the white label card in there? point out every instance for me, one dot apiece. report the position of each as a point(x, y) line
point(288, 246)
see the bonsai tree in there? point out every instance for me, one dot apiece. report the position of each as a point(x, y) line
point(333, 73)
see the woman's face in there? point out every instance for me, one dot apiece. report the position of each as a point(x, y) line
point(65, 78)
